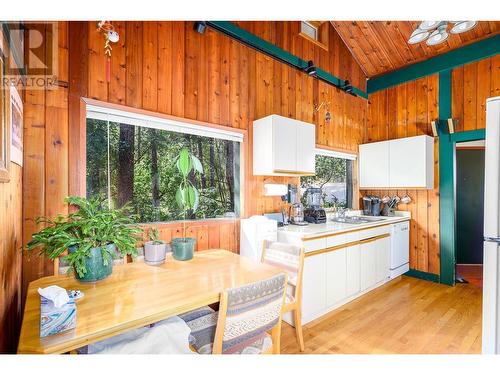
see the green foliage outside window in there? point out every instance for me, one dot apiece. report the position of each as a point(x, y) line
point(143, 171)
point(334, 177)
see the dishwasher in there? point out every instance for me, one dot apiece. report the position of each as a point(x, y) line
point(400, 249)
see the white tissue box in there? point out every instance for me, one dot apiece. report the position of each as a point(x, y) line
point(56, 319)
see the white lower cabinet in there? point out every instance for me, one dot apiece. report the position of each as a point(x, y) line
point(314, 285)
point(336, 276)
point(353, 276)
point(375, 260)
point(368, 262)
point(382, 249)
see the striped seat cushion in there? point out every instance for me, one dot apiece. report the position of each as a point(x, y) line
point(203, 334)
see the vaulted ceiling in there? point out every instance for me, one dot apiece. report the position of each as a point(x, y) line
point(381, 46)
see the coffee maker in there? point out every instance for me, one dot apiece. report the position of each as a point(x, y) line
point(371, 205)
point(314, 213)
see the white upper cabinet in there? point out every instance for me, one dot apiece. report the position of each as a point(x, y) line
point(374, 165)
point(398, 163)
point(283, 147)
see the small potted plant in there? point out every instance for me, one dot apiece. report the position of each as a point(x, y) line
point(93, 235)
point(154, 250)
point(187, 197)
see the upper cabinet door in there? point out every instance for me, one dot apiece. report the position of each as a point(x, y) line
point(374, 165)
point(412, 162)
point(284, 144)
point(398, 163)
point(283, 147)
point(306, 148)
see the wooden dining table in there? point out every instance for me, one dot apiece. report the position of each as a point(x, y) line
point(136, 295)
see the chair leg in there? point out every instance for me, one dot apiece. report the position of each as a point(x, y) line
point(276, 337)
point(297, 315)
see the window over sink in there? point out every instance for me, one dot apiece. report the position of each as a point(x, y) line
point(334, 177)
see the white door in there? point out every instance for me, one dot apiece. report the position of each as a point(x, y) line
point(336, 267)
point(353, 285)
point(284, 144)
point(382, 248)
point(306, 147)
point(314, 285)
point(368, 261)
point(374, 165)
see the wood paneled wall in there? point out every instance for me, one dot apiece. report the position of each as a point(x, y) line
point(167, 67)
point(407, 110)
point(471, 85)
point(10, 259)
point(10, 243)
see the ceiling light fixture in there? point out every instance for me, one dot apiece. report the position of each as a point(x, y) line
point(435, 32)
point(310, 68)
point(418, 36)
point(438, 36)
point(462, 26)
point(428, 25)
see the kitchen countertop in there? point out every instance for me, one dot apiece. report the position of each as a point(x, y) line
point(331, 227)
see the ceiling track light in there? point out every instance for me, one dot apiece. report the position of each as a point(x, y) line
point(435, 32)
point(310, 68)
point(200, 27)
point(347, 87)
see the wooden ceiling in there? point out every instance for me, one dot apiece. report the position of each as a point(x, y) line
point(381, 46)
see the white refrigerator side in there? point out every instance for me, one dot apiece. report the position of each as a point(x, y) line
point(491, 268)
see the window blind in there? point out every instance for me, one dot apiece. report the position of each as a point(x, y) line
point(148, 121)
point(335, 154)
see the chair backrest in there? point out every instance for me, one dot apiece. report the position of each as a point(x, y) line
point(247, 312)
point(288, 257)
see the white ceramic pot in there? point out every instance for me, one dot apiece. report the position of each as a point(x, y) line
point(154, 254)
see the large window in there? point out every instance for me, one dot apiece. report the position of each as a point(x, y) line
point(135, 164)
point(334, 177)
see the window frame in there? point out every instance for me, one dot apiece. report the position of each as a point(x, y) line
point(78, 183)
point(342, 154)
point(322, 31)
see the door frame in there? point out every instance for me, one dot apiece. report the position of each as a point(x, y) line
point(447, 206)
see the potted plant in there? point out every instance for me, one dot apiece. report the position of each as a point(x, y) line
point(154, 250)
point(93, 235)
point(187, 197)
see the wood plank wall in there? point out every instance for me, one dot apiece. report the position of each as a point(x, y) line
point(10, 245)
point(407, 110)
point(169, 68)
point(10, 259)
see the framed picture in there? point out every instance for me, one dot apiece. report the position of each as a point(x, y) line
point(4, 129)
point(16, 127)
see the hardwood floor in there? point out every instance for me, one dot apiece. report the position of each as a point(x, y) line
point(405, 316)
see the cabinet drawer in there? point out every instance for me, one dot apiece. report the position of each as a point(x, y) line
point(312, 245)
point(342, 239)
point(364, 234)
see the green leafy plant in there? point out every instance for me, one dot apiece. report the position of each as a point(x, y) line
point(153, 234)
point(92, 225)
point(187, 196)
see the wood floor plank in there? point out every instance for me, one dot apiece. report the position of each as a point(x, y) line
point(405, 316)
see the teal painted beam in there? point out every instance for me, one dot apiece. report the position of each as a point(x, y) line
point(472, 135)
point(277, 53)
point(446, 184)
point(457, 57)
point(423, 275)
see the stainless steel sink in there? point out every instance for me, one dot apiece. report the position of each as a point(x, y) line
point(356, 219)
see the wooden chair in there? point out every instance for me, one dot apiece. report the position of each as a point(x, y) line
point(291, 259)
point(246, 315)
